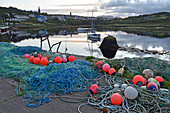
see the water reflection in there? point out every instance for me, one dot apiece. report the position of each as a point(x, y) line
point(77, 43)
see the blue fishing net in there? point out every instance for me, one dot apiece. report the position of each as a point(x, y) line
point(37, 81)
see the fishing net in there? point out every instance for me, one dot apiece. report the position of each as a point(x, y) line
point(37, 81)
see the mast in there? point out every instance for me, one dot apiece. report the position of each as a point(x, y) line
point(92, 20)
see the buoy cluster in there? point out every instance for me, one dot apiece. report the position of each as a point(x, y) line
point(38, 58)
point(129, 91)
point(106, 68)
point(148, 82)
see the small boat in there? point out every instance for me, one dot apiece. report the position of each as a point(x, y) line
point(83, 30)
point(93, 35)
point(4, 30)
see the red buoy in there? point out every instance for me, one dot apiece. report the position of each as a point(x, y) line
point(71, 58)
point(99, 64)
point(106, 67)
point(145, 82)
point(27, 55)
point(64, 59)
point(152, 86)
point(116, 99)
point(39, 56)
point(112, 71)
point(31, 58)
point(160, 80)
point(44, 61)
point(138, 80)
point(36, 60)
point(94, 89)
point(58, 60)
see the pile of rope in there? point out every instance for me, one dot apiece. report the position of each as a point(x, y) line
point(37, 82)
point(146, 102)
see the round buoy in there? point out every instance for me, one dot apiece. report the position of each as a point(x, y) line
point(106, 67)
point(99, 64)
point(44, 61)
point(124, 85)
point(160, 80)
point(31, 58)
point(116, 85)
point(116, 99)
point(64, 59)
point(71, 58)
point(130, 92)
point(112, 71)
point(138, 80)
point(148, 73)
point(58, 60)
point(153, 80)
point(36, 60)
point(152, 86)
point(145, 82)
point(39, 56)
point(27, 55)
point(94, 89)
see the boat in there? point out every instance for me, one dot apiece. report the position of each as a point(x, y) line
point(4, 30)
point(83, 30)
point(93, 34)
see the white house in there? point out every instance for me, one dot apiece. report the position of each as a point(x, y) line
point(32, 15)
point(21, 16)
point(42, 18)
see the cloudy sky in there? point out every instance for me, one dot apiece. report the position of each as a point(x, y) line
point(116, 8)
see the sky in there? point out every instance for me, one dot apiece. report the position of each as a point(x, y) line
point(115, 8)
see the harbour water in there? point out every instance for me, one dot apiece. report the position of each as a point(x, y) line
point(77, 43)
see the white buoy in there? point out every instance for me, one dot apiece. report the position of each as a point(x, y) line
point(130, 92)
point(124, 85)
point(148, 73)
point(116, 85)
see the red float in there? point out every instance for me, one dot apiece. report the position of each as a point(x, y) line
point(71, 58)
point(36, 60)
point(27, 55)
point(138, 80)
point(64, 59)
point(39, 56)
point(44, 61)
point(106, 67)
point(152, 86)
point(31, 58)
point(116, 99)
point(58, 60)
point(112, 71)
point(99, 64)
point(94, 89)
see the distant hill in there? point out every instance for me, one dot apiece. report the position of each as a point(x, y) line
point(161, 18)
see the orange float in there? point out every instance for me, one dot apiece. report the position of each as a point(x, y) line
point(94, 89)
point(27, 55)
point(152, 86)
point(106, 67)
point(44, 61)
point(31, 58)
point(36, 60)
point(58, 60)
point(160, 80)
point(112, 71)
point(138, 80)
point(71, 58)
point(99, 64)
point(116, 99)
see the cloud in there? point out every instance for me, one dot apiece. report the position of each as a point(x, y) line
point(136, 7)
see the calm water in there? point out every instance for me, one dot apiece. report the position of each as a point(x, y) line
point(79, 45)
